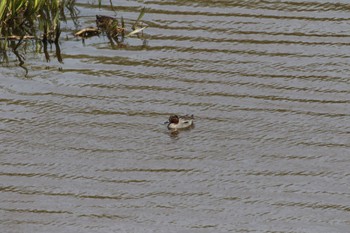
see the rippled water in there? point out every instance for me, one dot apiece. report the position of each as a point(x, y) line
point(84, 147)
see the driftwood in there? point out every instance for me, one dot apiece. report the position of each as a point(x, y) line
point(106, 24)
point(88, 32)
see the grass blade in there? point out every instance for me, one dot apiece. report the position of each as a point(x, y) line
point(3, 5)
point(135, 31)
point(142, 13)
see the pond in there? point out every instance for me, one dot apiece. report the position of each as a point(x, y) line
point(84, 147)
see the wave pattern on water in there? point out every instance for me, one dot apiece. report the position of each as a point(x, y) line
point(84, 148)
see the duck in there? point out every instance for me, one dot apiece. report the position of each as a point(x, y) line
point(180, 122)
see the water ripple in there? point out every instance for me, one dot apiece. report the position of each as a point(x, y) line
point(84, 146)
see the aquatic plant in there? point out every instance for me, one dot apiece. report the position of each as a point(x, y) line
point(34, 20)
point(39, 22)
point(23, 19)
point(112, 27)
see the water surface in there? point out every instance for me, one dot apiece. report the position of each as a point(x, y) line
point(84, 147)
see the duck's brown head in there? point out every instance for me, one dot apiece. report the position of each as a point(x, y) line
point(174, 119)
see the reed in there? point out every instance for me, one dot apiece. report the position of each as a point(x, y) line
point(39, 21)
point(28, 17)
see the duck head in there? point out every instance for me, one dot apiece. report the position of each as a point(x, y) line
point(174, 119)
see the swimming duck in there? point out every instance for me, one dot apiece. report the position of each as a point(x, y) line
point(180, 122)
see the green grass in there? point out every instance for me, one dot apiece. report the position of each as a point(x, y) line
point(39, 21)
point(28, 17)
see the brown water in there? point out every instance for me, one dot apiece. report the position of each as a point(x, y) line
point(84, 147)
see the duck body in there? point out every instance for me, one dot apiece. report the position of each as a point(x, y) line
point(180, 122)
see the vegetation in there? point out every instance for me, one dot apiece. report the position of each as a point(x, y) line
point(22, 19)
point(39, 21)
point(36, 20)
